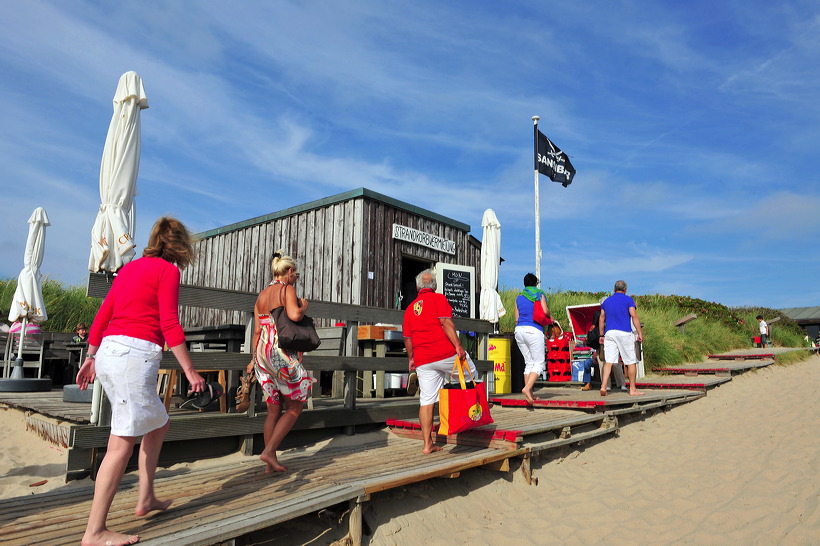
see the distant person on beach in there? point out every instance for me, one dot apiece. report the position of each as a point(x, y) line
point(138, 316)
point(764, 331)
point(618, 315)
point(529, 335)
point(432, 345)
point(80, 333)
point(279, 372)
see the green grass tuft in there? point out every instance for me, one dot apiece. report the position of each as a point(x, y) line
point(65, 305)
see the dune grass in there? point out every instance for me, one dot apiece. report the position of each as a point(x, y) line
point(65, 305)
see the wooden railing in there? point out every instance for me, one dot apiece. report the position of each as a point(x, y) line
point(347, 366)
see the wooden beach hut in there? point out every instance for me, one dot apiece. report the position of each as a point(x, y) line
point(358, 247)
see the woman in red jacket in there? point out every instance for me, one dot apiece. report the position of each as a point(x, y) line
point(139, 316)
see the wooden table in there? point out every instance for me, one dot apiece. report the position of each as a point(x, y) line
point(380, 348)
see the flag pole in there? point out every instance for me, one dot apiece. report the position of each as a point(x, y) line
point(537, 203)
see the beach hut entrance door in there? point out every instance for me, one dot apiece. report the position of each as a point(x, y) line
point(410, 267)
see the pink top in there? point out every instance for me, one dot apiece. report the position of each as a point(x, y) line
point(143, 303)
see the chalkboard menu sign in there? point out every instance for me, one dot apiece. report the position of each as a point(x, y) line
point(457, 283)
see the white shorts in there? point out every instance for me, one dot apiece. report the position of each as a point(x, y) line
point(432, 376)
point(621, 344)
point(127, 369)
point(533, 348)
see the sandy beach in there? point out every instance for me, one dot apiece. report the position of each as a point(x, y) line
point(738, 466)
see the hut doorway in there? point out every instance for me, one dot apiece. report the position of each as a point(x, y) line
point(410, 267)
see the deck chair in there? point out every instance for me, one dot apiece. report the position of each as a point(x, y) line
point(31, 348)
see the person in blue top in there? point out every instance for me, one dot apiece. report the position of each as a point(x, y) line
point(619, 313)
point(529, 334)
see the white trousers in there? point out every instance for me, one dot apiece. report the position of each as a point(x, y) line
point(530, 341)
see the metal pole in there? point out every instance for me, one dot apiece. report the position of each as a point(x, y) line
point(537, 205)
point(17, 371)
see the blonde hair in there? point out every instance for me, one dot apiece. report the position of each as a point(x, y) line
point(171, 241)
point(281, 263)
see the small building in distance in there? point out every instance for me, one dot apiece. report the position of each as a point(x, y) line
point(358, 247)
point(807, 317)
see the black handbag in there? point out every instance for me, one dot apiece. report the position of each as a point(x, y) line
point(294, 336)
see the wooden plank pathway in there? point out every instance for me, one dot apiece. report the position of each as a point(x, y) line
point(620, 401)
point(514, 428)
point(724, 367)
point(218, 503)
point(221, 502)
point(742, 356)
point(48, 403)
point(682, 381)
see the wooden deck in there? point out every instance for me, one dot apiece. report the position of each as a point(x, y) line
point(222, 502)
point(719, 368)
point(616, 401)
point(682, 381)
point(50, 404)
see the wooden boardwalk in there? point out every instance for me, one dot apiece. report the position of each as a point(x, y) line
point(220, 502)
point(719, 368)
point(616, 402)
point(50, 404)
point(690, 382)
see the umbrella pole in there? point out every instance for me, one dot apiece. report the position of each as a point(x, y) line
point(17, 372)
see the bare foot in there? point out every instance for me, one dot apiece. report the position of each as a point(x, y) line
point(603, 392)
point(431, 449)
point(528, 395)
point(272, 464)
point(109, 538)
point(155, 504)
point(636, 393)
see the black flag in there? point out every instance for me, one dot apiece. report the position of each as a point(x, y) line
point(551, 161)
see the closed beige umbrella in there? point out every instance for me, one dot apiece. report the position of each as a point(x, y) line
point(28, 306)
point(112, 237)
point(491, 308)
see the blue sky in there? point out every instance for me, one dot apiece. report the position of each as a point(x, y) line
point(694, 127)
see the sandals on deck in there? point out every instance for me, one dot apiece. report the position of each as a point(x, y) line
point(412, 384)
point(243, 394)
point(201, 400)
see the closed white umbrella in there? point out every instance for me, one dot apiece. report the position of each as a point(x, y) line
point(28, 305)
point(112, 237)
point(490, 308)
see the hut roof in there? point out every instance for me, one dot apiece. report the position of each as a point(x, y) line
point(353, 194)
point(803, 314)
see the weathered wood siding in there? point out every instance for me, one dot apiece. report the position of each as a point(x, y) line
point(335, 244)
point(383, 254)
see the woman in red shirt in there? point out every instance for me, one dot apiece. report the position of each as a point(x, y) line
point(139, 315)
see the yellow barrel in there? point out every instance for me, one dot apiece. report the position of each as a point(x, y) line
point(499, 353)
